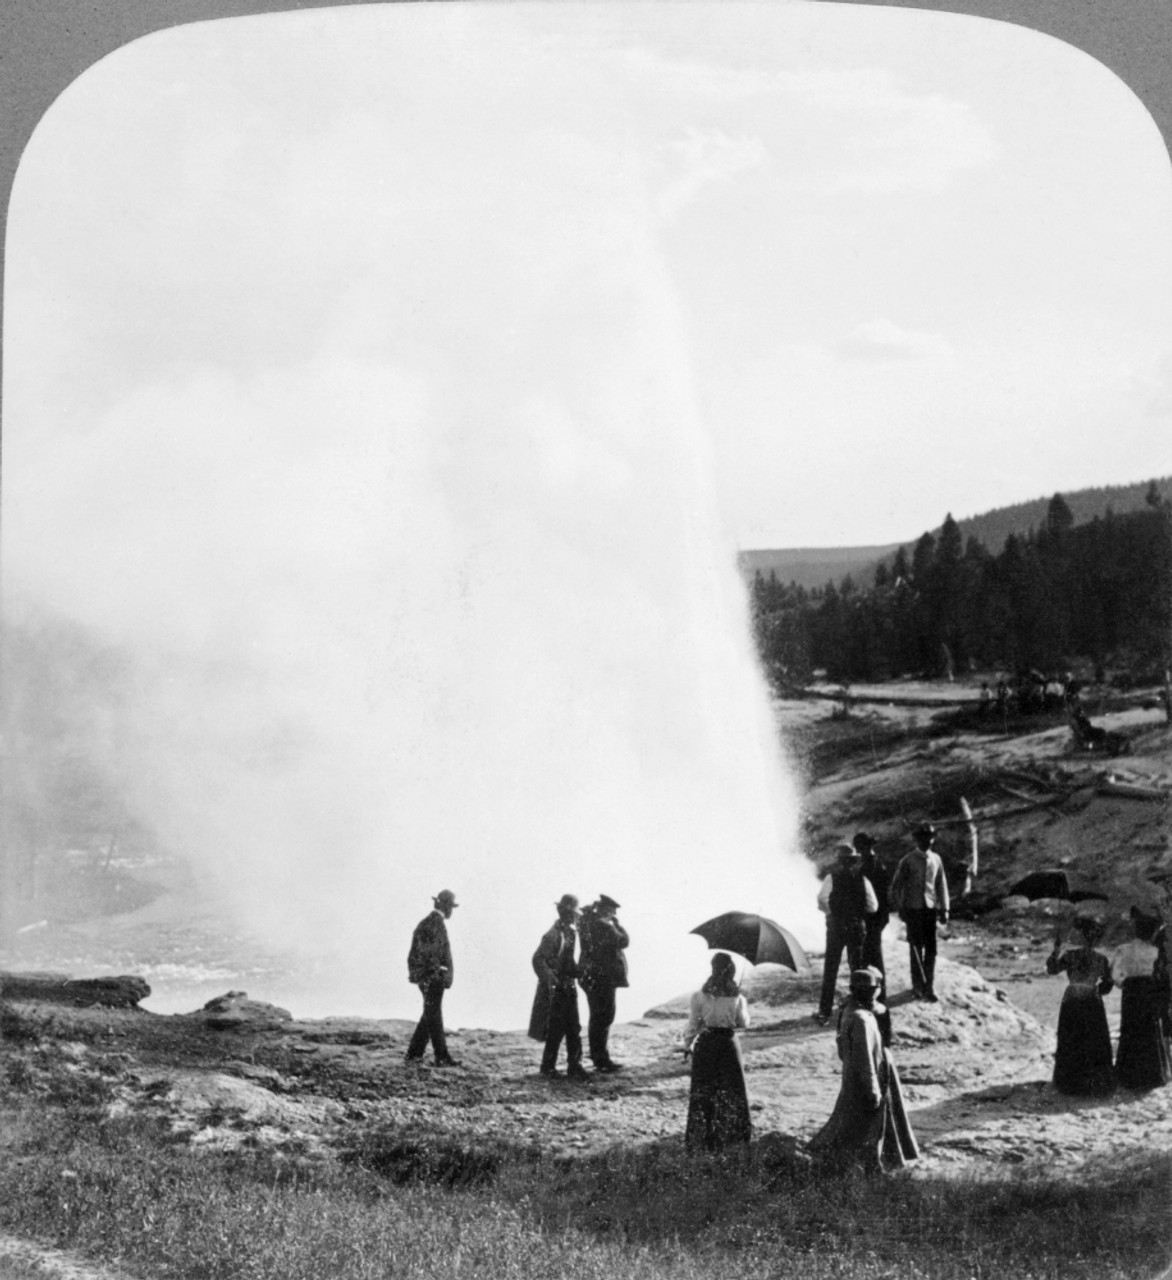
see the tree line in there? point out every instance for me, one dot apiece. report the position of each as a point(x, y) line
point(1059, 595)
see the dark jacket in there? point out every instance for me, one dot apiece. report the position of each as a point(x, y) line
point(603, 962)
point(880, 879)
point(556, 968)
point(848, 896)
point(431, 953)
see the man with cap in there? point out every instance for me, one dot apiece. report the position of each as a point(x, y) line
point(868, 1125)
point(603, 968)
point(847, 898)
point(880, 880)
point(429, 966)
point(554, 1016)
point(919, 892)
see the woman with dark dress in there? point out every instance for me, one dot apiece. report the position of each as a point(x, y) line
point(1082, 1063)
point(718, 1106)
point(1140, 967)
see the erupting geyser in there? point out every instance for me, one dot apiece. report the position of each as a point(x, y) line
point(435, 594)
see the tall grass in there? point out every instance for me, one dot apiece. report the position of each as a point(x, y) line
point(124, 1192)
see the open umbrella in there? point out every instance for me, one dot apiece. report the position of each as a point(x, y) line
point(757, 938)
point(1056, 882)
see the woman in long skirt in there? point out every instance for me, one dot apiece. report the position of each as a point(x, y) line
point(869, 1125)
point(1082, 1063)
point(718, 1106)
point(1143, 1060)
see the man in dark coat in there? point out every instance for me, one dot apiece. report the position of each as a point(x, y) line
point(847, 898)
point(919, 892)
point(880, 880)
point(429, 966)
point(555, 1006)
point(603, 968)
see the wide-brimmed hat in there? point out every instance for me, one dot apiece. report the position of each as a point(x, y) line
point(567, 902)
point(865, 979)
point(844, 849)
point(445, 898)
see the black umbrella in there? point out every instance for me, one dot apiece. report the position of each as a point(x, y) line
point(1056, 882)
point(757, 938)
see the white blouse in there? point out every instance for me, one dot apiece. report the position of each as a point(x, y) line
point(714, 1011)
point(1134, 959)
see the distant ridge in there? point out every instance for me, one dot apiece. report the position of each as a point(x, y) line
point(812, 567)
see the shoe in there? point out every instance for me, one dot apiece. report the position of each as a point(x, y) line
point(551, 1073)
point(822, 1019)
point(446, 1062)
point(931, 997)
point(413, 1057)
point(609, 1067)
point(579, 1073)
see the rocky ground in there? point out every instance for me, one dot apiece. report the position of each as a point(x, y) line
point(975, 1067)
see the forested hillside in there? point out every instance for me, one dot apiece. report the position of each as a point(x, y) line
point(1064, 594)
point(811, 567)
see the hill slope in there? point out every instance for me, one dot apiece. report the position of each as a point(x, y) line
point(812, 567)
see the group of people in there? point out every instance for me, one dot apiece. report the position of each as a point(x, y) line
point(858, 898)
point(585, 947)
point(1143, 1060)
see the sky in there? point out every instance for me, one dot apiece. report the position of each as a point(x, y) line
point(920, 261)
point(397, 385)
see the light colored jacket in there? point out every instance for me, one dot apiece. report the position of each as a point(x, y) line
point(919, 883)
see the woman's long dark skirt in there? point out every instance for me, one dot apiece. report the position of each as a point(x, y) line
point(718, 1107)
point(1082, 1063)
point(1143, 1060)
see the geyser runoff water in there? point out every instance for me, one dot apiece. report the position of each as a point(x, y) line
point(434, 596)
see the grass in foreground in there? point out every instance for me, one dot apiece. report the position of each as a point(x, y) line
point(121, 1191)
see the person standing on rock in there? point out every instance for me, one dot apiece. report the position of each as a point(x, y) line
point(602, 970)
point(554, 1016)
point(848, 899)
point(919, 892)
point(429, 966)
point(876, 922)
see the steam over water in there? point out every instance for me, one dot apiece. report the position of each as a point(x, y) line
point(443, 602)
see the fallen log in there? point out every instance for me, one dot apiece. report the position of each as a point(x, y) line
point(1130, 790)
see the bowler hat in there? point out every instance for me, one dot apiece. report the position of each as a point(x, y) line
point(567, 902)
point(445, 897)
point(846, 850)
point(864, 840)
point(925, 833)
point(865, 979)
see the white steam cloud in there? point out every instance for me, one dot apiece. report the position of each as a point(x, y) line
point(442, 603)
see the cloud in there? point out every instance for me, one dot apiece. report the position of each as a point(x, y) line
point(702, 158)
point(884, 341)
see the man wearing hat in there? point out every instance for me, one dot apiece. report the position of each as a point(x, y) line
point(554, 1016)
point(603, 968)
point(848, 899)
point(919, 892)
point(429, 966)
point(880, 880)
